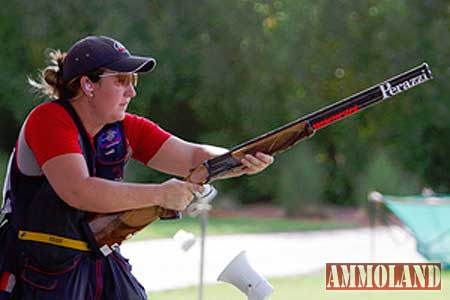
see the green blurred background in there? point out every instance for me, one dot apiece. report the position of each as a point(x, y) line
point(230, 70)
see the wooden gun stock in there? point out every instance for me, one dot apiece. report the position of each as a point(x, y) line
point(109, 229)
point(114, 228)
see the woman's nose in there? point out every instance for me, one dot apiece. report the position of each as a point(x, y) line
point(130, 91)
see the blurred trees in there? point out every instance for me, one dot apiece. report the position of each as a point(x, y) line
point(230, 70)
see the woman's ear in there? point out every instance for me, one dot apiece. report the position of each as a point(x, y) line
point(87, 86)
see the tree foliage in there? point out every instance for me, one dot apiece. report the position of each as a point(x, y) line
point(230, 70)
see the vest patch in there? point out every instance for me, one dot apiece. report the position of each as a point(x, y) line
point(111, 152)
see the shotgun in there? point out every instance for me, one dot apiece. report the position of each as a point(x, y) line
point(110, 229)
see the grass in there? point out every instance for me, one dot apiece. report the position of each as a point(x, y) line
point(310, 287)
point(234, 225)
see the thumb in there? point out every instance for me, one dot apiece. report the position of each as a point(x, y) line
point(196, 188)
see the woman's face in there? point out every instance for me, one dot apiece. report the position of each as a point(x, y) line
point(112, 95)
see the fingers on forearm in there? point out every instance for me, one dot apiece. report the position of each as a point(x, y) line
point(268, 159)
point(256, 163)
point(260, 160)
point(253, 161)
point(249, 166)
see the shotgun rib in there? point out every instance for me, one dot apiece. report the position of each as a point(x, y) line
point(109, 229)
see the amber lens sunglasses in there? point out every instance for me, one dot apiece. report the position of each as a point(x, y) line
point(123, 78)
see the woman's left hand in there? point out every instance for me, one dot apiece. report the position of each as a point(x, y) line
point(256, 163)
point(251, 164)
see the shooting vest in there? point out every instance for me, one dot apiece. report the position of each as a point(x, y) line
point(51, 230)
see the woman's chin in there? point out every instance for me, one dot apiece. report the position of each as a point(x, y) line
point(121, 117)
point(117, 117)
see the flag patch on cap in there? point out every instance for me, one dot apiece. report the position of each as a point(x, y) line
point(7, 282)
point(120, 48)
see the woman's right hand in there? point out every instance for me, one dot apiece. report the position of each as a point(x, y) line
point(177, 194)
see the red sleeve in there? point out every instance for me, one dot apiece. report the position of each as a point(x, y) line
point(50, 131)
point(145, 137)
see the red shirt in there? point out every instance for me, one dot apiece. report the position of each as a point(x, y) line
point(50, 131)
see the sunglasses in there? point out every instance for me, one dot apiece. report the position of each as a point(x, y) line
point(123, 78)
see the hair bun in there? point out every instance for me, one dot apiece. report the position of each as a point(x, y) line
point(51, 76)
point(51, 81)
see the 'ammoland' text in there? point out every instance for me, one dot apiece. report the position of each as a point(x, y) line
point(383, 276)
point(388, 90)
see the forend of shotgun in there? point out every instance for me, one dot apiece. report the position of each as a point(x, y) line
point(272, 143)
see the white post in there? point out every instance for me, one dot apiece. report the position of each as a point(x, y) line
point(203, 225)
point(200, 207)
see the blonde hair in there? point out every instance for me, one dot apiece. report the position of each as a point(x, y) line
point(50, 82)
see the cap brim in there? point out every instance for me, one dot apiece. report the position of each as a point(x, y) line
point(133, 64)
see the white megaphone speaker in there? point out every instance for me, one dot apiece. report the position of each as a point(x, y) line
point(240, 274)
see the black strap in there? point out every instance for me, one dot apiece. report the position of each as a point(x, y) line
point(89, 155)
point(83, 138)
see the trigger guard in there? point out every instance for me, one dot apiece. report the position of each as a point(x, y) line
point(208, 194)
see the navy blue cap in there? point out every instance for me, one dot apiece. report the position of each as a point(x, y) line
point(93, 52)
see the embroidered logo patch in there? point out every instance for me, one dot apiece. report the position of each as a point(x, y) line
point(111, 152)
point(109, 139)
point(120, 48)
